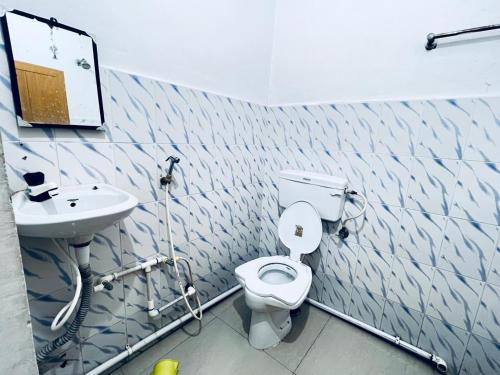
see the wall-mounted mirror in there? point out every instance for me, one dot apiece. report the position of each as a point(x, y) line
point(54, 72)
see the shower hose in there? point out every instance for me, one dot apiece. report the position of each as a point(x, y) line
point(184, 291)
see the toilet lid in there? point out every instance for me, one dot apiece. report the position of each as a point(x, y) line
point(300, 229)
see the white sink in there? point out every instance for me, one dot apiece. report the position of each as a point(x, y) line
point(76, 212)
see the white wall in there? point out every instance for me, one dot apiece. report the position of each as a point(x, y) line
point(314, 51)
point(331, 50)
point(221, 46)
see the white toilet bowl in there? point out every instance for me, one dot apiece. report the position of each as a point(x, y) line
point(277, 284)
point(273, 286)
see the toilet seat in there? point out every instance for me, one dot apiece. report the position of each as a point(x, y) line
point(289, 294)
point(300, 229)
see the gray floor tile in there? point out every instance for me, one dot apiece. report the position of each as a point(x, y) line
point(219, 350)
point(146, 360)
point(344, 349)
point(237, 315)
point(306, 327)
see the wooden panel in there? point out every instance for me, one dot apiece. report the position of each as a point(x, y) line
point(42, 93)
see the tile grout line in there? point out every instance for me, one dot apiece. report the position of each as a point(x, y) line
point(314, 342)
point(263, 351)
point(165, 338)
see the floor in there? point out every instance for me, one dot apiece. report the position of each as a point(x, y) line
point(318, 344)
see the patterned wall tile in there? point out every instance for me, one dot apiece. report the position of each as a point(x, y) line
point(201, 250)
point(400, 126)
point(485, 132)
point(389, 179)
point(446, 124)
point(410, 283)
point(420, 236)
point(449, 341)
point(106, 309)
point(357, 169)
point(139, 326)
point(362, 122)
point(274, 130)
point(381, 227)
point(139, 233)
point(341, 260)
point(336, 293)
point(487, 320)
point(225, 166)
point(494, 274)
point(373, 270)
point(316, 290)
point(45, 268)
point(224, 206)
point(401, 321)
point(68, 363)
point(43, 310)
point(287, 122)
point(202, 123)
point(476, 196)
point(179, 219)
point(105, 250)
point(85, 163)
point(201, 214)
point(173, 113)
point(482, 357)
point(224, 133)
point(454, 299)
point(136, 170)
point(468, 248)
point(366, 306)
point(223, 243)
point(21, 158)
point(243, 132)
point(326, 130)
point(103, 346)
point(133, 106)
point(432, 185)
point(202, 168)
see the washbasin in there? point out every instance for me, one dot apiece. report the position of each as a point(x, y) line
point(75, 212)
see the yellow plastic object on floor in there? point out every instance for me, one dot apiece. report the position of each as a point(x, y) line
point(165, 367)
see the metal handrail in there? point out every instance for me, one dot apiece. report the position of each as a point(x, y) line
point(431, 38)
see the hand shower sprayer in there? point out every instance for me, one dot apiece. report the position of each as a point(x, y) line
point(166, 180)
point(189, 289)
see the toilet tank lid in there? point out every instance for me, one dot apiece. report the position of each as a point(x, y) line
point(314, 178)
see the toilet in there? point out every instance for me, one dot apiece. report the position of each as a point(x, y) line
point(275, 285)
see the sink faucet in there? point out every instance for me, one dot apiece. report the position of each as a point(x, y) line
point(39, 190)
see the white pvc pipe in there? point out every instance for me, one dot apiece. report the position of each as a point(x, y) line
point(164, 307)
point(158, 334)
point(117, 275)
point(438, 361)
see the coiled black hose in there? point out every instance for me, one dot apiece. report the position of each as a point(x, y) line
point(74, 327)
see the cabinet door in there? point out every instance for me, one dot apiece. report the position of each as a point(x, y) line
point(43, 94)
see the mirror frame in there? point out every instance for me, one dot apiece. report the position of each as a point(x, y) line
point(52, 22)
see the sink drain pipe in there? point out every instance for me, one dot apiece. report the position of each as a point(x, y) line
point(440, 363)
point(159, 334)
point(83, 256)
